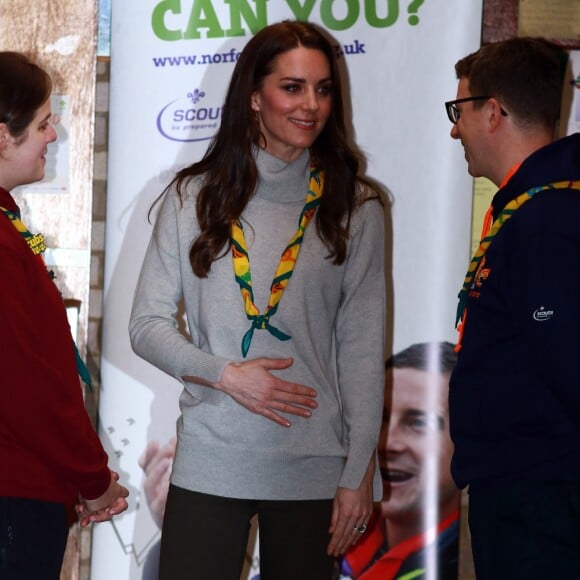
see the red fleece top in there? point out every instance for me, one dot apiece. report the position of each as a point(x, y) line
point(48, 447)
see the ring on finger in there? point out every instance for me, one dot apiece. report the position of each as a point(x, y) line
point(360, 529)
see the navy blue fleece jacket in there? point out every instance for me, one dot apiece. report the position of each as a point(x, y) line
point(515, 393)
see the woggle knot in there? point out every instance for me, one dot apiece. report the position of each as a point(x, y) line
point(261, 322)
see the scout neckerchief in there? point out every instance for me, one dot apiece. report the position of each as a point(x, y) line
point(285, 268)
point(37, 245)
point(507, 212)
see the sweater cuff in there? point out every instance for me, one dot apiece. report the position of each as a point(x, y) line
point(361, 447)
point(208, 368)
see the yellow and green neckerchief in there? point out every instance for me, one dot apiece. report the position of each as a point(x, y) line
point(507, 212)
point(37, 244)
point(35, 241)
point(241, 262)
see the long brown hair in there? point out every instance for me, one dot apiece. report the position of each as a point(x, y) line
point(229, 169)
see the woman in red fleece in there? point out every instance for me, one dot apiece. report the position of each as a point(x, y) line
point(50, 455)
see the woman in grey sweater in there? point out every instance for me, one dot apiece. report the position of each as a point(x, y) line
point(283, 371)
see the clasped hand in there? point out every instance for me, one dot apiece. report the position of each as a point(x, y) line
point(103, 508)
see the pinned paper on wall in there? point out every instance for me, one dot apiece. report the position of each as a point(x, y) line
point(557, 19)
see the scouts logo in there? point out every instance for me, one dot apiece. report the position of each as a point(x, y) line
point(542, 314)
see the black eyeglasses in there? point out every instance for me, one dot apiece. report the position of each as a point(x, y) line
point(453, 112)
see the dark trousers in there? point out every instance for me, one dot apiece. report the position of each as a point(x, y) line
point(205, 536)
point(526, 531)
point(33, 538)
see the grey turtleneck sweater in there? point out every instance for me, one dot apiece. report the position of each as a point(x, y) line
point(334, 314)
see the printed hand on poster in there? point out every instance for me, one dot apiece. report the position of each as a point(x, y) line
point(156, 462)
point(415, 452)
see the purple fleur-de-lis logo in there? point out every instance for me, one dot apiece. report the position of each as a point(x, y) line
point(195, 96)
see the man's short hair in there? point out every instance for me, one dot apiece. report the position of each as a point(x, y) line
point(425, 356)
point(525, 74)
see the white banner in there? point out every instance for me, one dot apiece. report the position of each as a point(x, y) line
point(171, 61)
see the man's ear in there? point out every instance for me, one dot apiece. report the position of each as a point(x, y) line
point(494, 114)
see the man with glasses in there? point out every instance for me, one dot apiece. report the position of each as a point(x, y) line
point(515, 392)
